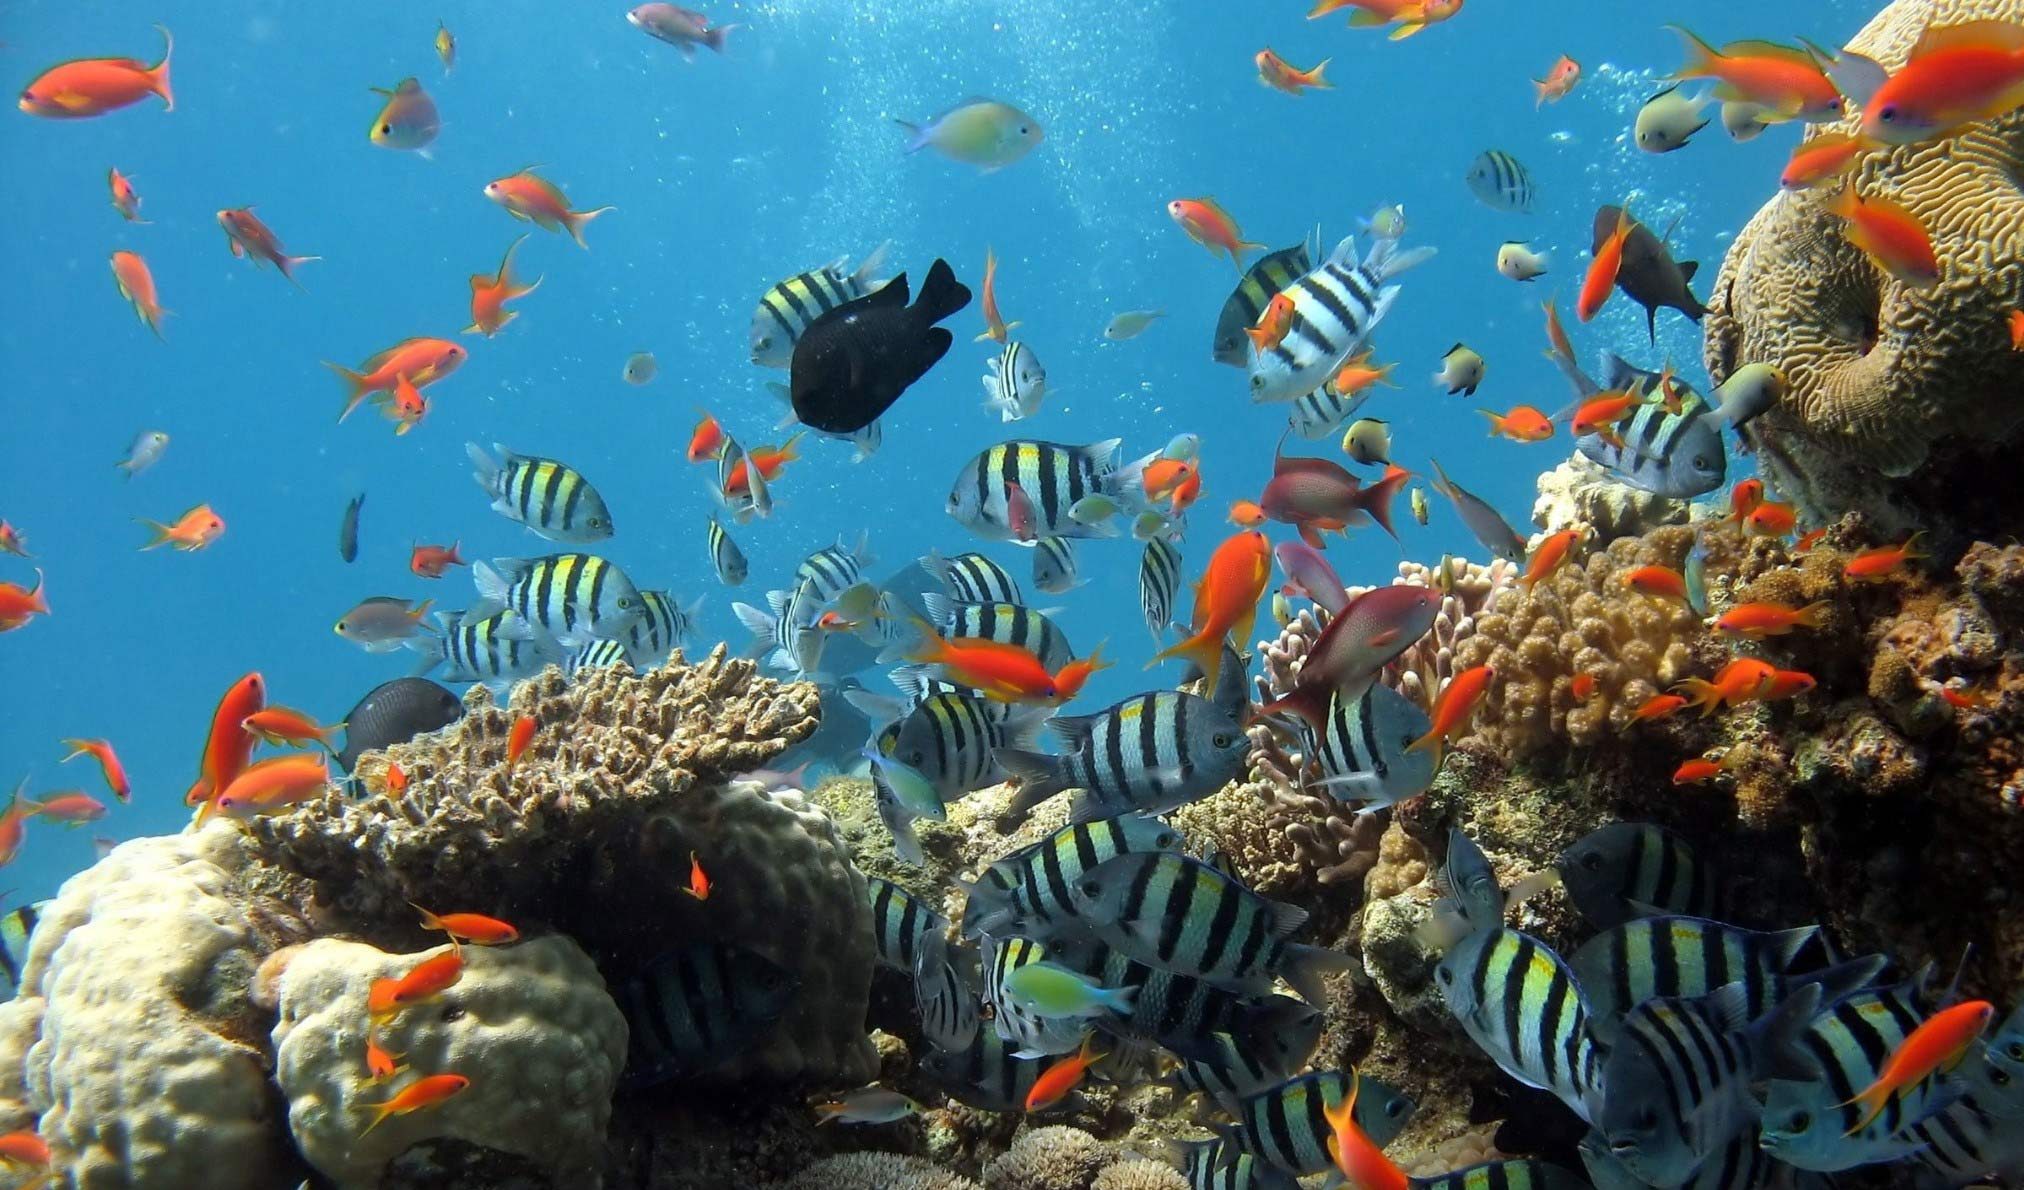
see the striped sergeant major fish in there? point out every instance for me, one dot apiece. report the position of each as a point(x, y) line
point(988, 1075)
point(1335, 307)
point(1523, 1173)
point(899, 920)
point(1682, 957)
point(1811, 1124)
point(1318, 414)
point(1054, 568)
point(662, 627)
point(598, 654)
point(1500, 181)
point(786, 309)
point(1263, 281)
point(1175, 1011)
point(1006, 623)
point(1616, 872)
point(1221, 1164)
point(833, 569)
point(16, 929)
point(1040, 482)
point(1362, 749)
point(953, 740)
point(690, 1009)
point(1015, 384)
point(1676, 453)
point(917, 684)
point(725, 556)
point(1232, 1072)
point(1027, 892)
point(1679, 1077)
point(973, 578)
point(1159, 576)
point(756, 499)
point(946, 992)
point(1520, 1002)
point(1740, 1165)
point(551, 498)
point(476, 648)
point(1982, 1134)
point(1035, 1035)
point(1286, 1126)
point(788, 625)
point(1181, 915)
point(1152, 753)
point(570, 598)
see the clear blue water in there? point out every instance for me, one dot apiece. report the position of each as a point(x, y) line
point(730, 173)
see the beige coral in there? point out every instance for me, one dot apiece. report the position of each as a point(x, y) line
point(1582, 494)
point(1880, 371)
point(875, 1171)
point(1057, 1157)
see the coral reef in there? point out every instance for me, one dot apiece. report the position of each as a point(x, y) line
point(875, 1171)
point(626, 777)
point(1582, 494)
point(1890, 380)
point(530, 1025)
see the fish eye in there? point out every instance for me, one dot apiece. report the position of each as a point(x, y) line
point(385, 129)
point(1592, 862)
point(1223, 739)
point(1800, 1121)
point(1887, 114)
point(2015, 1050)
point(1444, 974)
point(1998, 1076)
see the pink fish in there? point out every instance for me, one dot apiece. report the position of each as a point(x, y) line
point(1362, 639)
point(1311, 575)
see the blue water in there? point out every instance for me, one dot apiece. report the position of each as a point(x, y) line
point(730, 173)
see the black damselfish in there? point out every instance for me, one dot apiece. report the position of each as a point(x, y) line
point(852, 363)
point(394, 713)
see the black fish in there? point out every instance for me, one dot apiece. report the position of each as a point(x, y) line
point(694, 1007)
point(347, 533)
point(1648, 275)
point(394, 713)
point(854, 362)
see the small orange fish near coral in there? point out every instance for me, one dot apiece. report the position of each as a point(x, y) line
point(1809, 539)
point(1601, 279)
point(1058, 1080)
point(1772, 519)
point(2017, 330)
point(1453, 709)
point(1697, 770)
point(1966, 698)
point(427, 1092)
point(1552, 554)
point(1785, 683)
point(1356, 1156)
point(517, 741)
point(1657, 580)
point(380, 1064)
point(397, 779)
point(108, 763)
point(475, 928)
point(699, 880)
point(1744, 499)
point(1582, 687)
point(1522, 424)
point(285, 725)
point(424, 981)
point(24, 1147)
point(1880, 563)
point(1658, 706)
point(1758, 620)
point(1738, 682)
point(1939, 1043)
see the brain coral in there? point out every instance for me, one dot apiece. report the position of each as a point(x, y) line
point(1881, 373)
point(591, 834)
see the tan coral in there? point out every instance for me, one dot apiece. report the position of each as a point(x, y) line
point(1881, 372)
point(1582, 494)
point(875, 1171)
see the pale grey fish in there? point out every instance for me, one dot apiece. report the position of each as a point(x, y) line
point(145, 452)
point(1491, 530)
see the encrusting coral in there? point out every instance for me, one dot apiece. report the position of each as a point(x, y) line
point(1883, 373)
point(591, 833)
point(1582, 494)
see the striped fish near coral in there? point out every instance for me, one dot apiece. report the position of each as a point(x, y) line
point(696, 1006)
point(1335, 307)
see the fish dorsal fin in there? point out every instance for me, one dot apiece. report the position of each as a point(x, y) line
point(1688, 268)
point(2007, 36)
point(408, 86)
point(892, 293)
point(1791, 54)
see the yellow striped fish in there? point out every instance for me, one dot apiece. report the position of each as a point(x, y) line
point(789, 306)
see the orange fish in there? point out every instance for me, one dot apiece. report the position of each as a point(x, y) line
point(397, 779)
point(1273, 323)
point(424, 981)
point(71, 807)
point(1697, 770)
point(474, 928)
point(1558, 345)
point(285, 725)
point(489, 296)
point(1185, 493)
point(1785, 683)
point(137, 285)
point(1209, 225)
point(995, 326)
point(1357, 374)
point(1410, 16)
point(423, 1093)
point(1658, 706)
point(430, 561)
point(1736, 683)
point(526, 196)
point(1744, 499)
point(95, 86)
point(24, 1147)
point(14, 824)
point(251, 238)
point(108, 764)
point(1551, 554)
point(1785, 82)
point(517, 741)
point(1355, 1155)
point(422, 360)
point(1226, 602)
point(1966, 699)
point(699, 880)
point(1582, 687)
point(1601, 279)
point(1001, 672)
point(1938, 1044)
point(1881, 562)
point(1070, 678)
point(1890, 235)
point(1454, 708)
point(1279, 74)
point(228, 747)
point(2017, 330)
point(1759, 620)
point(1522, 424)
point(1059, 1079)
point(270, 786)
point(1823, 158)
point(192, 531)
point(407, 407)
point(707, 442)
point(1809, 539)
point(1246, 514)
point(13, 541)
point(1558, 82)
point(1772, 519)
point(1956, 75)
point(770, 460)
point(379, 1064)
point(125, 199)
point(1162, 476)
point(1657, 580)
point(1600, 415)
point(17, 602)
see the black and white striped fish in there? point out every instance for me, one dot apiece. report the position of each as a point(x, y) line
point(1235, 1071)
point(1015, 384)
point(1153, 752)
point(1615, 871)
point(1522, 1173)
point(1678, 455)
point(1363, 753)
point(598, 654)
point(17, 928)
point(1982, 1134)
point(696, 1006)
point(899, 920)
point(1500, 181)
point(472, 649)
point(1518, 1001)
point(1159, 576)
point(973, 578)
point(986, 1074)
point(1262, 282)
point(1287, 1126)
point(1036, 1036)
point(831, 570)
point(1022, 490)
point(1178, 1012)
point(663, 625)
point(788, 625)
point(1318, 414)
point(1027, 893)
point(1222, 1164)
point(571, 598)
point(953, 740)
point(1740, 1165)
point(786, 308)
point(725, 556)
point(946, 992)
point(1180, 914)
point(1006, 623)
point(1054, 568)
point(1335, 308)
point(756, 499)
point(551, 498)
point(1681, 957)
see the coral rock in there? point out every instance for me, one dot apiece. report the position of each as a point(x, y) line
point(1581, 493)
point(875, 1171)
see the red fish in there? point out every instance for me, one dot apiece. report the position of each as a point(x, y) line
point(1809, 539)
point(1209, 225)
point(18, 603)
point(406, 407)
point(699, 880)
point(1522, 424)
point(379, 1064)
point(1001, 672)
point(707, 442)
point(423, 1093)
point(1059, 1079)
point(1273, 323)
point(1736, 683)
point(1356, 1156)
point(1601, 279)
point(1558, 345)
point(1658, 706)
point(1552, 553)
point(228, 746)
point(25, 1147)
point(423, 982)
point(71, 808)
point(137, 285)
point(518, 739)
point(1318, 495)
point(1787, 83)
point(1785, 683)
point(1358, 373)
point(1365, 636)
point(285, 725)
point(1279, 74)
point(1877, 564)
point(1956, 75)
point(769, 459)
point(194, 530)
point(270, 786)
point(1759, 620)
point(430, 561)
point(526, 196)
point(1558, 82)
point(995, 326)
point(1410, 16)
point(1582, 687)
point(397, 779)
point(1697, 770)
point(1226, 602)
point(422, 360)
point(489, 296)
point(475, 928)
point(1891, 236)
point(13, 541)
point(1823, 158)
point(251, 238)
point(1600, 415)
point(94, 86)
point(1744, 499)
point(1454, 708)
point(1657, 580)
point(14, 823)
point(108, 764)
point(1938, 1044)
point(1772, 519)
point(125, 199)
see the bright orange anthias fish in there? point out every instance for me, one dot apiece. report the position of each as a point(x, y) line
point(286, 725)
point(489, 295)
point(1358, 374)
point(1162, 476)
point(108, 764)
point(1246, 514)
point(1822, 159)
point(1558, 82)
point(769, 459)
point(1356, 1156)
point(137, 285)
point(1956, 75)
point(125, 199)
point(1453, 709)
point(1599, 415)
point(423, 982)
point(518, 739)
point(270, 786)
point(1938, 1044)
point(1554, 551)
point(995, 326)
point(95, 86)
point(192, 531)
point(228, 746)
point(1881, 562)
point(1697, 770)
point(18, 603)
point(406, 407)
point(475, 928)
point(1890, 235)
point(1744, 499)
point(1785, 683)
point(251, 238)
point(1736, 683)
point(1226, 602)
point(379, 1064)
point(1279, 74)
point(13, 541)
point(699, 880)
point(707, 442)
point(422, 360)
point(1785, 82)
point(527, 196)
point(1522, 424)
point(1209, 225)
point(1758, 620)
point(1558, 345)
point(1059, 1079)
point(1273, 323)
point(1772, 519)
point(423, 1093)
point(1410, 16)
point(2017, 330)
point(1185, 493)
point(1658, 706)
point(1582, 687)
point(1657, 580)
point(430, 561)
point(1601, 279)
point(25, 1147)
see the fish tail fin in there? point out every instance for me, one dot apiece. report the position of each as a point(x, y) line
point(576, 221)
point(917, 136)
point(1313, 78)
point(1304, 967)
point(1912, 550)
point(159, 531)
point(158, 75)
point(1496, 421)
point(1811, 613)
point(1202, 651)
point(1435, 742)
point(1040, 777)
point(287, 265)
point(1701, 57)
point(941, 294)
point(715, 37)
point(1699, 692)
point(1376, 500)
point(356, 388)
